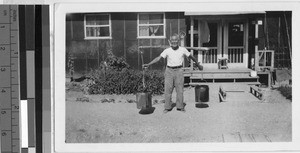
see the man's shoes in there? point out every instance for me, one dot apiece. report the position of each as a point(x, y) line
point(181, 109)
point(167, 110)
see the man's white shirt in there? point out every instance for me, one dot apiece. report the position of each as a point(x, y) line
point(175, 57)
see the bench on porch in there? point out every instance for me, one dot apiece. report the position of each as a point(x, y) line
point(223, 63)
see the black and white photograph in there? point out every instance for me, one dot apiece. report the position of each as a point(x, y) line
point(175, 76)
point(240, 93)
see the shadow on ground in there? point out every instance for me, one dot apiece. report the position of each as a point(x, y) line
point(146, 111)
point(201, 105)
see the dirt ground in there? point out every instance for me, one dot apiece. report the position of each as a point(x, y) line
point(241, 118)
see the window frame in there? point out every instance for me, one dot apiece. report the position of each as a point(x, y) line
point(163, 24)
point(99, 37)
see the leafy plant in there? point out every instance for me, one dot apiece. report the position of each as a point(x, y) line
point(114, 62)
point(125, 82)
point(286, 91)
point(70, 64)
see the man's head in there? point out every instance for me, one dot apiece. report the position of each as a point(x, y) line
point(174, 41)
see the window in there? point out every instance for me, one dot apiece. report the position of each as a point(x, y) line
point(97, 26)
point(236, 34)
point(151, 25)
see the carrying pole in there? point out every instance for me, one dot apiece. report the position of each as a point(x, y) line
point(142, 58)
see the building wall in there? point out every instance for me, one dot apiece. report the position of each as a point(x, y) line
point(88, 54)
point(273, 35)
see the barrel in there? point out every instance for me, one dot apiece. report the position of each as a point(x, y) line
point(144, 100)
point(201, 93)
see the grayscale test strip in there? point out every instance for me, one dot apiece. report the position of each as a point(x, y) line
point(9, 81)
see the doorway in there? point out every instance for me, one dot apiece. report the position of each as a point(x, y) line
point(226, 38)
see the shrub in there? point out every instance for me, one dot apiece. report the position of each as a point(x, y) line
point(114, 62)
point(70, 64)
point(286, 91)
point(126, 81)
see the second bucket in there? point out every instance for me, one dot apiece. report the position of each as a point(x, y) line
point(201, 93)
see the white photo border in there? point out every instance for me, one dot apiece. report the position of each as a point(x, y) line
point(63, 8)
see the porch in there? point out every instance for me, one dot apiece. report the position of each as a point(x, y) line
point(230, 37)
point(213, 73)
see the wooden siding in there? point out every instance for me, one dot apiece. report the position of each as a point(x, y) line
point(124, 40)
point(89, 53)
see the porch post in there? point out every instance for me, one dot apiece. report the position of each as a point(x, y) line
point(246, 53)
point(192, 41)
point(256, 46)
point(200, 45)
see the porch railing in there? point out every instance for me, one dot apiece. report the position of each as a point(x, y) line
point(235, 54)
point(210, 56)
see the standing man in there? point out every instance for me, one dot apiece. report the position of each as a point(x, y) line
point(174, 73)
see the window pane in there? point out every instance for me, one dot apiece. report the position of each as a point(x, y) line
point(97, 19)
point(92, 31)
point(88, 32)
point(103, 19)
point(156, 18)
point(144, 19)
point(236, 34)
point(156, 30)
point(144, 30)
point(91, 20)
point(151, 30)
point(104, 31)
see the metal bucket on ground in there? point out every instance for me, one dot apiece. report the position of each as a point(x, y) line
point(143, 100)
point(201, 93)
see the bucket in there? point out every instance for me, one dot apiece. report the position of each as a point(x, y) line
point(201, 93)
point(143, 100)
point(253, 74)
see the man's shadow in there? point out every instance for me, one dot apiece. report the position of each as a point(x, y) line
point(150, 110)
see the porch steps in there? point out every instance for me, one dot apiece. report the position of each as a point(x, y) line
point(246, 83)
point(221, 76)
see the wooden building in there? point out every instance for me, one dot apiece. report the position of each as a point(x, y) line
point(246, 41)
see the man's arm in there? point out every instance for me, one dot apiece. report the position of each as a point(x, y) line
point(153, 61)
point(196, 62)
